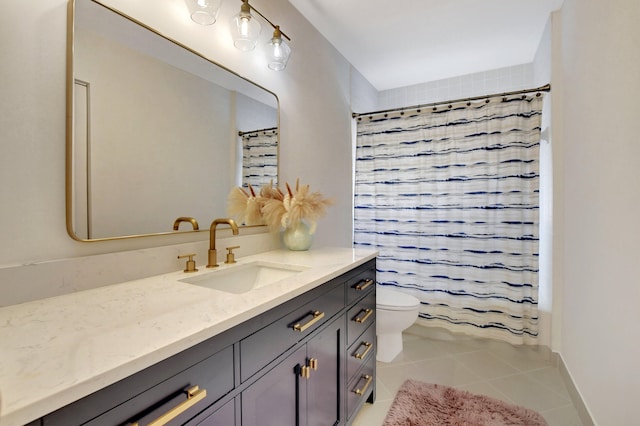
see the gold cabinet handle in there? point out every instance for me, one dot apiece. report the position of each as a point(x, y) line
point(313, 363)
point(316, 316)
point(368, 379)
point(305, 372)
point(367, 346)
point(367, 314)
point(362, 285)
point(194, 395)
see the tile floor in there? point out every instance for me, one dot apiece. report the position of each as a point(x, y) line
point(517, 374)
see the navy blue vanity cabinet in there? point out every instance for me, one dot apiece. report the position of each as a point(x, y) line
point(308, 362)
point(361, 341)
point(304, 389)
point(325, 384)
point(274, 399)
point(295, 326)
point(304, 386)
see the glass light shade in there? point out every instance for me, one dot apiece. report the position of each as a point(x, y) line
point(245, 30)
point(204, 12)
point(278, 53)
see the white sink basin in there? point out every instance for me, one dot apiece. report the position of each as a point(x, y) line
point(244, 278)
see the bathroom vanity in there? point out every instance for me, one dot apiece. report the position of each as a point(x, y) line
point(297, 351)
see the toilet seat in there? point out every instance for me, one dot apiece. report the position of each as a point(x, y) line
point(394, 300)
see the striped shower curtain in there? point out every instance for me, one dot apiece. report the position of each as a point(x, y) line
point(449, 198)
point(260, 157)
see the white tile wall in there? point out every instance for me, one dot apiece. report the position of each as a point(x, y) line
point(500, 80)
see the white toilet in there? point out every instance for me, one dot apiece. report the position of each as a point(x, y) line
point(395, 311)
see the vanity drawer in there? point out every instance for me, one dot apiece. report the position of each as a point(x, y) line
point(362, 283)
point(213, 376)
point(266, 344)
point(223, 416)
point(359, 352)
point(360, 316)
point(361, 386)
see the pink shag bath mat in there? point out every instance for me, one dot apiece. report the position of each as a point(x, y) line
point(425, 404)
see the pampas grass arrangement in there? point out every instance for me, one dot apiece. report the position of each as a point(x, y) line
point(245, 206)
point(278, 209)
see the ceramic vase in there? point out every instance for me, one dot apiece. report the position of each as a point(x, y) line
point(297, 237)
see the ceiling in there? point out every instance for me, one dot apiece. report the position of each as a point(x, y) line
point(405, 42)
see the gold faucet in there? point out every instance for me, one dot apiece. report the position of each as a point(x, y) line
point(191, 220)
point(213, 256)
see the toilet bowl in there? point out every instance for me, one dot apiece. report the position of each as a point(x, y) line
point(395, 311)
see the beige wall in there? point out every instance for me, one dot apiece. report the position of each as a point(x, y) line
point(599, 226)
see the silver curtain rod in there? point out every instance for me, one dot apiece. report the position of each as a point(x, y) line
point(269, 129)
point(546, 88)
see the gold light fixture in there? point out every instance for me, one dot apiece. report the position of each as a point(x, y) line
point(204, 12)
point(245, 29)
point(278, 51)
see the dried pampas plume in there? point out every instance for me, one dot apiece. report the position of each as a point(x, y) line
point(245, 206)
point(304, 205)
point(272, 207)
point(269, 192)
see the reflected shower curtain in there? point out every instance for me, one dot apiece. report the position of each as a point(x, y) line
point(449, 198)
point(260, 158)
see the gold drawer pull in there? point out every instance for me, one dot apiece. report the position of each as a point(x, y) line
point(367, 314)
point(361, 392)
point(367, 346)
point(317, 316)
point(363, 284)
point(194, 395)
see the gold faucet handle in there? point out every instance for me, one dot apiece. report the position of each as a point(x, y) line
point(191, 264)
point(230, 254)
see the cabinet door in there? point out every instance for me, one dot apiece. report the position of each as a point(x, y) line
point(325, 357)
point(279, 397)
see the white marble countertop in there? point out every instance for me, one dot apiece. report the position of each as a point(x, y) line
point(55, 351)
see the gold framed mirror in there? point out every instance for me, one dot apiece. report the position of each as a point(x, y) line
point(155, 131)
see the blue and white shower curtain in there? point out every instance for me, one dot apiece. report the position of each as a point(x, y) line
point(450, 200)
point(260, 158)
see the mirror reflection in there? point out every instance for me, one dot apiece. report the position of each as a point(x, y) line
point(158, 132)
